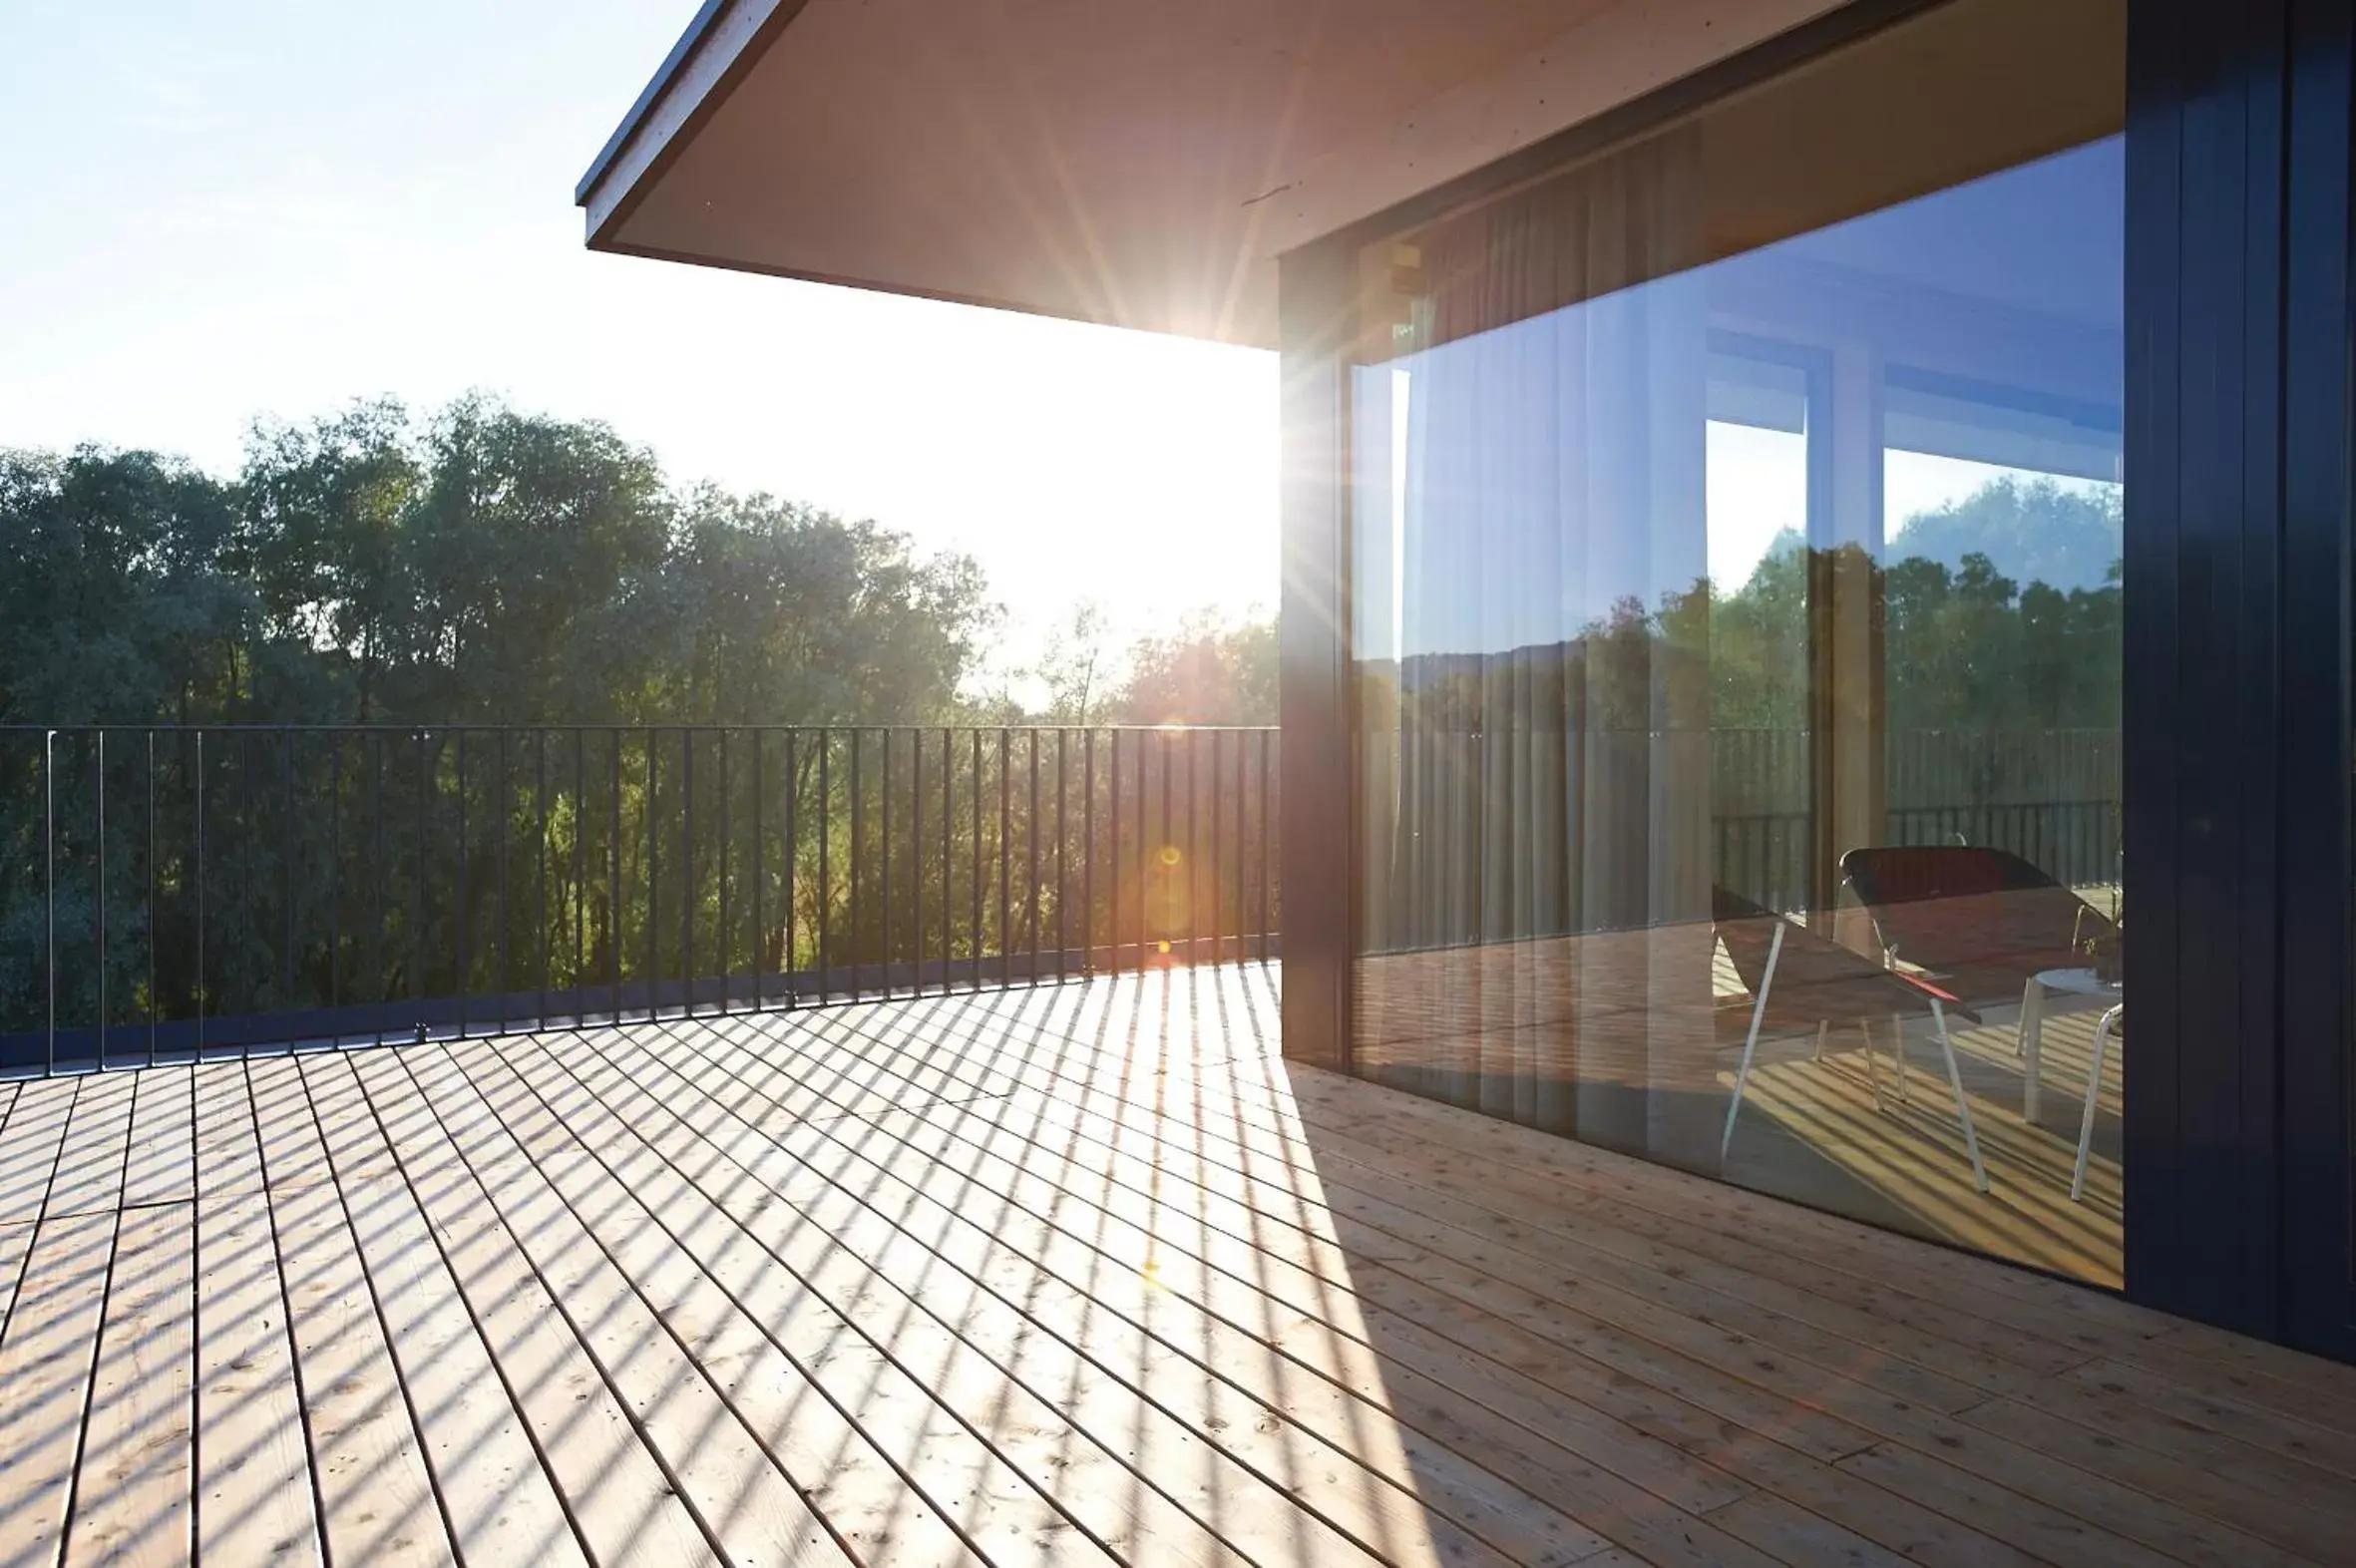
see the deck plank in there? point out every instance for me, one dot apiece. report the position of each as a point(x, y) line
point(254, 1462)
point(2148, 1516)
point(488, 1473)
point(136, 1499)
point(854, 1432)
point(740, 1500)
point(46, 1359)
point(811, 1172)
point(1048, 1275)
point(1313, 1304)
point(377, 1501)
point(628, 1506)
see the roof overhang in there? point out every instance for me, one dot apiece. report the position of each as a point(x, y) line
point(1123, 162)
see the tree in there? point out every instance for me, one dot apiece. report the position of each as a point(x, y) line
point(1207, 672)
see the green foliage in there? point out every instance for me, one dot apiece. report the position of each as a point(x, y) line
point(478, 565)
point(1207, 672)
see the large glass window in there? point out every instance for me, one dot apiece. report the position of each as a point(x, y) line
point(1736, 646)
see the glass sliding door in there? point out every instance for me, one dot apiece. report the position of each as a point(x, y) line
point(1736, 646)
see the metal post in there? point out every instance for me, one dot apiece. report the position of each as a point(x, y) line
point(947, 853)
point(201, 998)
point(727, 936)
point(1005, 861)
point(1266, 802)
point(1113, 862)
point(689, 896)
point(974, 882)
point(1088, 857)
point(761, 879)
point(335, 871)
point(539, 862)
point(826, 809)
point(152, 882)
point(49, 883)
point(466, 907)
point(654, 885)
point(1062, 840)
point(793, 856)
point(102, 898)
point(916, 860)
point(1031, 845)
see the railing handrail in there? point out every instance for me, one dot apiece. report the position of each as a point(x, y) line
point(629, 726)
point(232, 882)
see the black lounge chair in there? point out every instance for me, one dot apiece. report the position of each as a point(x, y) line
point(1797, 978)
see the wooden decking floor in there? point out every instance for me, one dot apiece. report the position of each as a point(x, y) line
point(1080, 1272)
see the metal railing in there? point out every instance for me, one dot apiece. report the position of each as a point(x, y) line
point(177, 892)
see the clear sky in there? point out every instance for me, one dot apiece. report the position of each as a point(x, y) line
point(261, 207)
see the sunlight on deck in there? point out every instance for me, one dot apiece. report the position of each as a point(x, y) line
point(1064, 1273)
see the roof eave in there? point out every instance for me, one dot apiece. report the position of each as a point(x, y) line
point(720, 45)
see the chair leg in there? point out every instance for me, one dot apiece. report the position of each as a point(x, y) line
point(1963, 1110)
point(1824, 1027)
point(1872, 1073)
point(1767, 982)
point(2093, 1089)
point(2029, 1044)
point(1898, 1058)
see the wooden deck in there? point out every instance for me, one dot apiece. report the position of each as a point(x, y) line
point(1073, 1274)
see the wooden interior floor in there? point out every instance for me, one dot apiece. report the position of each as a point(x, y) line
point(1070, 1274)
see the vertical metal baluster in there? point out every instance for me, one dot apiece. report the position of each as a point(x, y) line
point(417, 926)
point(1145, 849)
point(151, 883)
point(690, 897)
point(102, 898)
point(377, 871)
point(653, 907)
point(760, 881)
point(1062, 847)
point(246, 806)
point(793, 857)
point(916, 860)
point(1194, 861)
point(856, 868)
point(728, 937)
point(1006, 947)
point(1031, 845)
point(335, 875)
point(289, 854)
point(201, 998)
point(1112, 863)
point(947, 853)
point(1242, 748)
point(539, 862)
point(1089, 855)
point(466, 912)
point(858, 851)
point(579, 874)
point(973, 880)
point(1169, 845)
point(885, 810)
point(499, 801)
point(613, 873)
point(49, 883)
point(1266, 800)
point(1218, 879)
point(826, 822)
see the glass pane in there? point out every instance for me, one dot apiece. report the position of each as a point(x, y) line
point(1736, 635)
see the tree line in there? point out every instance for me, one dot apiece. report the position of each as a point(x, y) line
point(480, 565)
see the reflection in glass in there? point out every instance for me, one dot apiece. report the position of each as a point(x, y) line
point(1727, 508)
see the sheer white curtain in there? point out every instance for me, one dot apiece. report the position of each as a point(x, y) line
point(1532, 533)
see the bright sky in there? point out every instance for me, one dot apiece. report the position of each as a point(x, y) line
point(264, 208)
